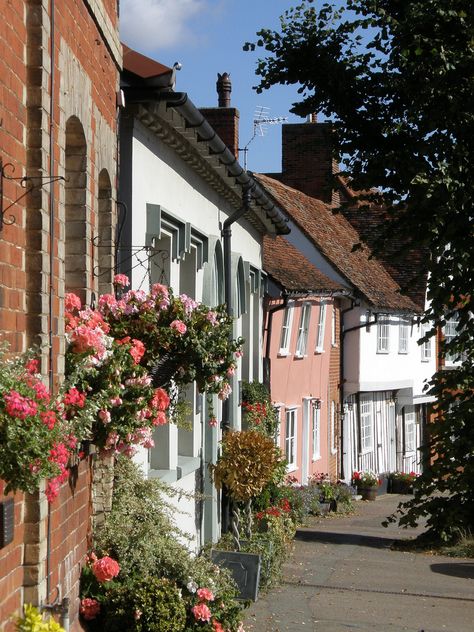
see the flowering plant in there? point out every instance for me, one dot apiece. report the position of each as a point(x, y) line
point(184, 340)
point(36, 439)
point(124, 354)
point(404, 477)
point(33, 621)
point(258, 412)
point(365, 478)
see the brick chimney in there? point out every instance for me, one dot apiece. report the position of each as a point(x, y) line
point(224, 119)
point(307, 159)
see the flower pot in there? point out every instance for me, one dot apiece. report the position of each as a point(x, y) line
point(368, 493)
point(401, 487)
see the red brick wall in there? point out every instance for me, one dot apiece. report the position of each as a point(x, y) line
point(307, 159)
point(71, 534)
point(11, 559)
point(24, 253)
point(225, 122)
point(12, 150)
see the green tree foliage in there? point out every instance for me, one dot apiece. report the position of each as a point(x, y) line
point(396, 76)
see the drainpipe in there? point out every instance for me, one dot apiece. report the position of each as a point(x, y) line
point(227, 244)
point(342, 331)
point(52, 84)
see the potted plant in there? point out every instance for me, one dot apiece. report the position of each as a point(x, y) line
point(402, 482)
point(246, 465)
point(367, 484)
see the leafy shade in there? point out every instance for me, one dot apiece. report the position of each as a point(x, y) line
point(397, 79)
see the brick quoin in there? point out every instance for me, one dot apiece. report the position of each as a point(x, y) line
point(86, 62)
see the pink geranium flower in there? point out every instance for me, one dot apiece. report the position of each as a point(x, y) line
point(201, 612)
point(179, 326)
point(121, 280)
point(204, 594)
point(89, 608)
point(105, 569)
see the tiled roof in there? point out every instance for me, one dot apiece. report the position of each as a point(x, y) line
point(289, 268)
point(142, 66)
point(334, 237)
point(405, 263)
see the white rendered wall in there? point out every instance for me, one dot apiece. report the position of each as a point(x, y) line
point(367, 370)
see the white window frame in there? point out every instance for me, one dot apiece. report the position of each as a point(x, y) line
point(333, 427)
point(451, 329)
point(410, 432)
point(320, 328)
point(291, 421)
point(333, 327)
point(286, 327)
point(383, 334)
point(403, 335)
point(426, 347)
point(277, 438)
point(303, 329)
point(366, 424)
point(316, 432)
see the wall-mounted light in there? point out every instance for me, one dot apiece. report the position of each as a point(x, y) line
point(393, 398)
point(316, 403)
point(348, 407)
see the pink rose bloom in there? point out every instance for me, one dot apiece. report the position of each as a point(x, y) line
point(90, 608)
point(213, 422)
point(121, 280)
point(32, 366)
point(216, 626)
point(238, 354)
point(116, 401)
point(201, 612)
point(105, 569)
point(42, 391)
point(179, 326)
point(230, 371)
point(204, 594)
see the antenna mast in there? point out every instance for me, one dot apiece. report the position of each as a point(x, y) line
point(260, 121)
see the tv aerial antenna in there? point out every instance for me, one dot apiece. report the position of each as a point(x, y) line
point(261, 119)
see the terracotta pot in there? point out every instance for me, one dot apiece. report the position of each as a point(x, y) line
point(368, 493)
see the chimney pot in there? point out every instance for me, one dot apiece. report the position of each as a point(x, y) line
point(224, 88)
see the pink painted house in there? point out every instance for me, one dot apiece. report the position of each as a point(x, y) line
point(302, 359)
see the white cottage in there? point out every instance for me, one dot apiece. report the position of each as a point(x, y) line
point(193, 219)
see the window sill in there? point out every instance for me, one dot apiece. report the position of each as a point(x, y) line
point(383, 352)
point(187, 465)
point(283, 354)
point(319, 351)
point(300, 356)
point(316, 457)
point(168, 476)
point(291, 467)
point(403, 353)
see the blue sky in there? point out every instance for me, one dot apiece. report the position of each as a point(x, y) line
point(207, 36)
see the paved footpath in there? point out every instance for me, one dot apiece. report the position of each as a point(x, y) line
point(343, 576)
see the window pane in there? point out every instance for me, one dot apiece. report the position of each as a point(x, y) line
point(320, 329)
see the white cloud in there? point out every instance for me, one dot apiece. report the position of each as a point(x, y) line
point(150, 25)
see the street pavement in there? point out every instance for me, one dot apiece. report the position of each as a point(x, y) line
point(343, 576)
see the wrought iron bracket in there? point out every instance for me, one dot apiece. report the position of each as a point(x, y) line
point(28, 183)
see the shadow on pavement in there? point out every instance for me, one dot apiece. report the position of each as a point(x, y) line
point(459, 569)
point(344, 538)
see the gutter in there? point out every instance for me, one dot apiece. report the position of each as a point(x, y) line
point(195, 120)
